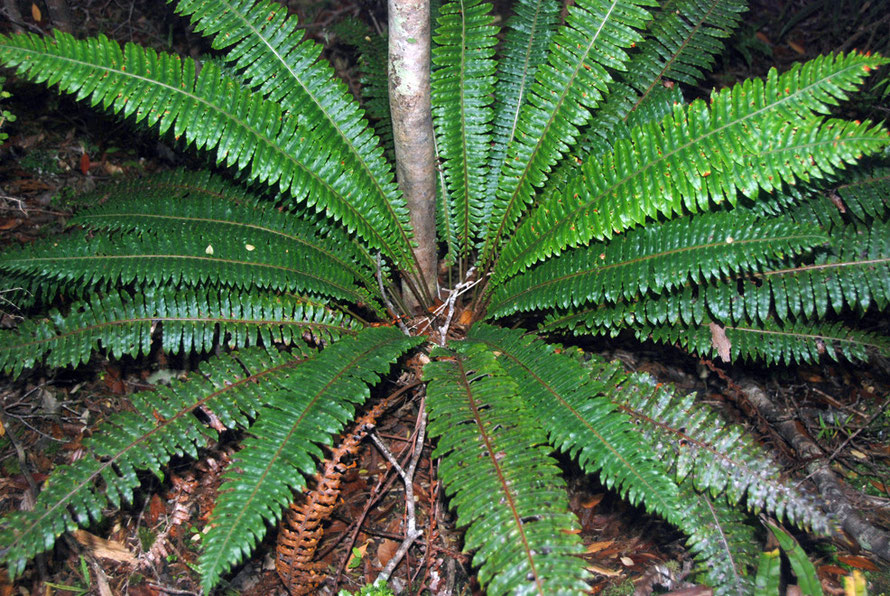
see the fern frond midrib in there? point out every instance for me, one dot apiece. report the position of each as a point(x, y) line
point(380, 240)
point(687, 38)
point(579, 314)
point(522, 89)
point(346, 291)
point(826, 266)
point(678, 149)
point(505, 485)
point(681, 436)
point(727, 546)
point(294, 76)
point(220, 222)
point(160, 425)
point(805, 336)
point(864, 182)
point(494, 242)
point(465, 146)
point(236, 521)
point(652, 492)
point(603, 268)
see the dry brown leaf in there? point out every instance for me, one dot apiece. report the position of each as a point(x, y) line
point(602, 571)
point(104, 549)
point(386, 551)
point(595, 547)
point(837, 202)
point(720, 341)
point(156, 508)
point(593, 501)
point(857, 562)
point(84, 163)
point(6, 587)
point(35, 13)
point(797, 48)
point(832, 570)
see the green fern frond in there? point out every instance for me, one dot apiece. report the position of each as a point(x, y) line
point(268, 48)
point(861, 197)
point(499, 476)
point(528, 35)
point(766, 341)
point(686, 319)
point(19, 292)
point(654, 259)
point(753, 137)
point(300, 412)
point(163, 425)
point(855, 272)
point(462, 91)
point(213, 112)
point(820, 208)
point(866, 193)
point(573, 407)
point(566, 89)
point(712, 455)
point(183, 319)
point(190, 259)
point(680, 45)
point(725, 546)
point(372, 57)
point(198, 203)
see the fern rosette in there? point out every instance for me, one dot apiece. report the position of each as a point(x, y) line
point(579, 194)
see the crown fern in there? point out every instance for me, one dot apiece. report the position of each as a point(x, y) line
point(576, 189)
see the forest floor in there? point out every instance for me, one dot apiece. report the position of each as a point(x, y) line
point(57, 150)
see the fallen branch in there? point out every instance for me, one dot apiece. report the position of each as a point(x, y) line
point(831, 487)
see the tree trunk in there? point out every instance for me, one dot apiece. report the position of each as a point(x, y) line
point(58, 14)
point(409, 99)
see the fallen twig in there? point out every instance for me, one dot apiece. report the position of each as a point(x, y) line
point(412, 533)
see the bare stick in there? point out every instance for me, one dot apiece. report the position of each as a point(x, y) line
point(411, 533)
point(459, 289)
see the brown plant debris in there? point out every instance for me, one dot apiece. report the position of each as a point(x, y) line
point(301, 526)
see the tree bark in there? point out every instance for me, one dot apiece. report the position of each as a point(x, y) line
point(409, 100)
point(11, 9)
point(58, 14)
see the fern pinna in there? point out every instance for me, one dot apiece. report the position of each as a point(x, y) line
point(577, 190)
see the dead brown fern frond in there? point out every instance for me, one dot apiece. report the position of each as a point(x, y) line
point(301, 529)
